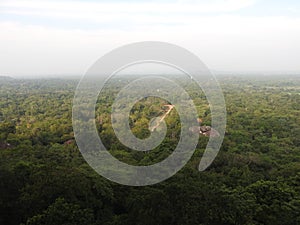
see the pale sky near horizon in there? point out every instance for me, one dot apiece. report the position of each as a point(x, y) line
point(66, 37)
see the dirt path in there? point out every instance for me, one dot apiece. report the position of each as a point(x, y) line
point(162, 117)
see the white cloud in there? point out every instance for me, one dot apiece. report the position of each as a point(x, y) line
point(222, 41)
point(293, 10)
point(122, 12)
point(130, 7)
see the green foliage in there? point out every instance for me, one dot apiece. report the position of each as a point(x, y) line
point(255, 178)
point(61, 212)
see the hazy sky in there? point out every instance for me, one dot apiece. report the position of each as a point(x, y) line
point(66, 37)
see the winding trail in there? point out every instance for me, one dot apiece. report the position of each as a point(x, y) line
point(203, 130)
point(162, 118)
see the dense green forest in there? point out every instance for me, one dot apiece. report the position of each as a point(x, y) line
point(255, 178)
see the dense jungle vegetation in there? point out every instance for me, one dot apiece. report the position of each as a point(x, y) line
point(255, 178)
